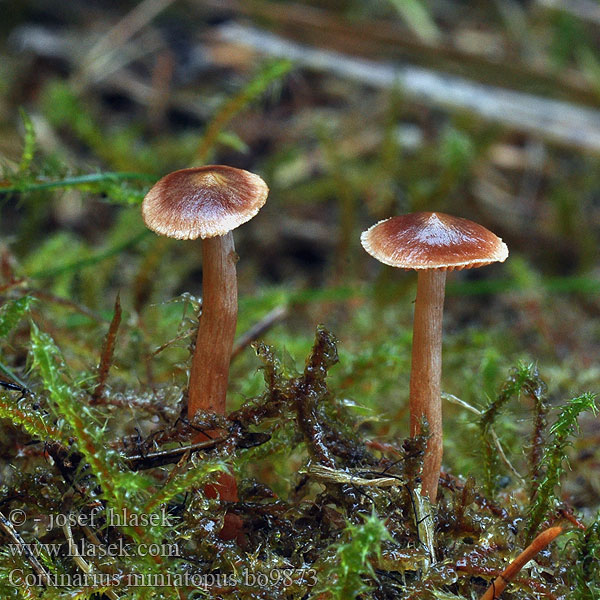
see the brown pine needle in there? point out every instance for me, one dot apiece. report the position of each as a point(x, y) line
point(108, 350)
point(538, 544)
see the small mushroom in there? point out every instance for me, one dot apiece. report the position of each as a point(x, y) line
point(208, 203)
point(430, 243)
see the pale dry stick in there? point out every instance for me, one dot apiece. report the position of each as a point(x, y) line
point(13, 534)
point(91, 535)
point(79, 561)
point(538, 544)
point(319, 471)
point(456, 400)
point(148, 44)
point(423, 514)
point(102, 52)
point(371, 36)
point(45, 43)
point(421, 506)
point(562, 122)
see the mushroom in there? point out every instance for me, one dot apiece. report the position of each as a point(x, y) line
point(430, 243)
point(208, 202)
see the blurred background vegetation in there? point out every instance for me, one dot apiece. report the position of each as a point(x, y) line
point(352, 112)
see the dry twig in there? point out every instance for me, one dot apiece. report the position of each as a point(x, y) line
point(12, 533)
point(555, 120)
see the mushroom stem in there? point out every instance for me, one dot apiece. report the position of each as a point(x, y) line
point(426, 373)
point(210, 364)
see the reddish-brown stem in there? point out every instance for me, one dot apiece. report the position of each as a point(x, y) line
point(426, 373)
point(538, 544)
point(210, 364)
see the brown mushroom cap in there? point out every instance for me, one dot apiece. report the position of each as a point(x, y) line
point(203, 202)
point(428, 240)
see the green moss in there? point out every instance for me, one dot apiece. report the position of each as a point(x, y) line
point(328, 484)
